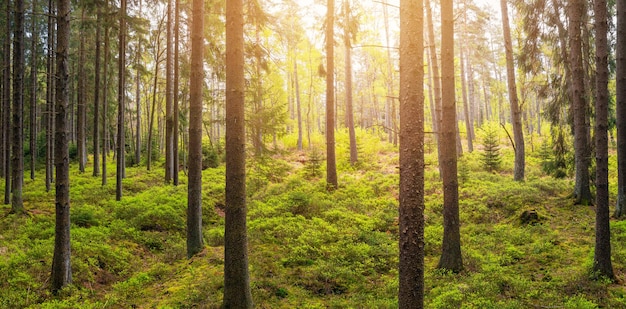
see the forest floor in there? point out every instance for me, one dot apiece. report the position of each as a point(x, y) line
point(310, 248)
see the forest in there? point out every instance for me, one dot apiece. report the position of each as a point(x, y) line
point(313, 154)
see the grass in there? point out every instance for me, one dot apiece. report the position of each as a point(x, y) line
point(310, 248)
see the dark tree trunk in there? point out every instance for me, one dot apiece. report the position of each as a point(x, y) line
point(331, 165)
point(349, 113)
point(620, 109)
point(81, 113)
point(49, 119)
point(105, 105)
point(33, 94)
point(516, 118)
point(451, 258)
point(61, 267)
point(169, 114)
point(194, 187)
point(582, 151)
point(121, 96)
point(236, 277)
point(176, 95)
point(17, 121)
point(411, 267)
point(6, 125)
point(602, 266)
point(96, 102)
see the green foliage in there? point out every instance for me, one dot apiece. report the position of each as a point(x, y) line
point(210, 157)
point(313, 164)
point(491, 147)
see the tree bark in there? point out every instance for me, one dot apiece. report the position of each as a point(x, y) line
point(17, 121)
point(121, 96)
point(50, 98)
point(33, 93)
point(620, 109)
point(518, 132)
point(602, 266)
point(176, 95)
point(81, 110)
point(169, 110)
point(6, 125)
point(451, 258)
point(96, 101)
point(194, 187)
point(105, 105)
point(466, 112)
point(348, 70)
point(61, 266)
point(331, 164)
point(582, 151)
point(236, 277)
point(411, 281)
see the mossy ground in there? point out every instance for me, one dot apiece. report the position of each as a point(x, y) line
point(310, 248)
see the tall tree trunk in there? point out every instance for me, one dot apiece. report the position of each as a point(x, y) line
point(194, 187)
point(434, 61)
point(169, 117)
point(121, 96)
point(298, 103)
point(33, 94)
point(49, 119)
point(81, 110)
point(331, 165)
point(620, 109)
point(451, 258)
point(176, 95)
point(518, 132)
point(411, 281)
point(349, 113)
point(6, 125)
point(602, 266)
point(61, 267)
point(157, 61)
point(466, 112)
point(582, 151)
point(17, 121)
point(96, 101)
point(236, 277)
point(105, 105)
point(138, 101)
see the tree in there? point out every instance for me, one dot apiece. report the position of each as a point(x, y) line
point(96, 101)
point(451, 258)
point(61, 267)
point(411, 293)
point(17, 121)
point(516, 113)
point(348, 29)
point(620, 109)
point(236, 277)
point(50, 96)
point(602, 266)
point(81, 110)
point(175, 108)
point(331, 164)
point(582, 151)
point(105, 102)
point(121, 96)
point(33, 93)
point(436, 78)
point(6, 110)
point(194, 187)
point(169, 93)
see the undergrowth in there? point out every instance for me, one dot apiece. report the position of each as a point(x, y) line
point(310, 248)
